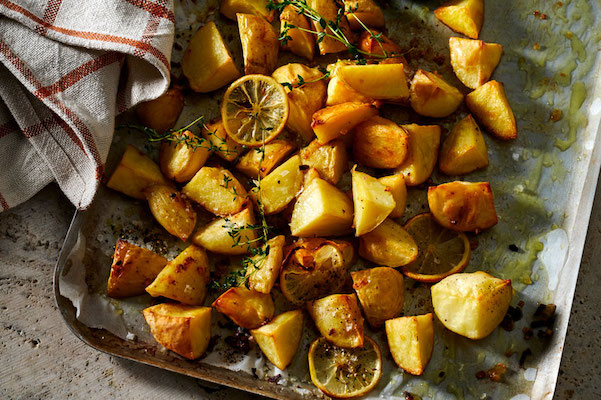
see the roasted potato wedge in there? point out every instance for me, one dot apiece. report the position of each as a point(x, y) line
point(280, 187)
point(366, 11)
point(247, 308)
point(338, 319)
point(474, 61)
point(463, 16)
point(301, 43)
point(185, 330)
point(380, 143)
point(490, 106)
point(184, 278)
point(463, 206)
point(180, 162)
point(280, 338)
point(339, 91)
point(220, 142)
point(207, 62)
point(217, 190)
point(231, 235)
point(385, 82)
point(162, 113)
point(381, 291)
point(230, 8)
point(134, 173)
point(421, 155)
point(173, 211)
point(471, 304)
point(372, 200)
point(264, 268)
point(411, 341)
point(432, 96)
point(464, 150)
point(330, 159)
point(303, 100)
point(389, 244)
point(260, 44)
point(328, 9)
point(398, 189)
point(267, 158)
point(133, 269)
point(332, 122)
point(321, 210)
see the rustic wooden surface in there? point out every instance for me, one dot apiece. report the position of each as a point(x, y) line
point(41, 359)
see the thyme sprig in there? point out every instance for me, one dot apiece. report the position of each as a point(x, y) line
point(300, 81)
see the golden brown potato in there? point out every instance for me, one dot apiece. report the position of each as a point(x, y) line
point(490, 106)
point(207, 62)
point(247, 308)
point(220, 142)
point(380, 143)
point(384, 47)
point(330, 159)
point(301, 43)
point(280, 187)
point(321, 210)
point(259, 44)
point(338, 319)
point(315, 268)
point(264, 268)
point(217, 190)
point(471, 305)
point(474, 61)
point(328, 9)
point(421, 155)
point(411, 341)
point(464, 150)
point(303, 100)
point(185, 330)
point(339, 91)
point(134, 173)
point(381, 292)
point(184, 278)
point(231, 235)
point(389, 244)
point(230, 8)
point(463, 16)
point(280, 338)
point(396, 184)
point(172, 210)
point(267, 157)
point(372, 200)
point(133, 269)
point(331, 122)
point(162, 113)
point(180, 162)
point(386, 82)
point(366, 11)
point(463, 206)
point(432, 96)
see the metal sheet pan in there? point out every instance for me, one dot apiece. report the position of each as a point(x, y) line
point(542, 199)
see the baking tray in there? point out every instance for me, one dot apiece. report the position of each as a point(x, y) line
point(543, 194)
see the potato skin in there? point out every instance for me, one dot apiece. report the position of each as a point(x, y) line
point(275, 152)
point(328, 9)
point(247, 308)
point(162, 113)
point(396, 184)
point(280, 187)
point(172, 210)
point(490, 106)
point(334, 121)
point(301, 43)
point(330, 159)
point(411, 341)
point(338, 318)
point(180, 162)
point(389, 244)
point(367, 11)
point(422, 153)
point(464, 149)
point(474, 61)
point(431, 96)
point(263, 272)
point(230, 8)
point(381, 291)
point(132, 270)
point(217, 236)
point(280, 338)
point(463, 16)
point(221, 144)
point(259, 44)
point(380, 143)
point(217, 190)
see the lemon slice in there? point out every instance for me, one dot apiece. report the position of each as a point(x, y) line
point(441, 251)
point(345, 373)
point(254, 110)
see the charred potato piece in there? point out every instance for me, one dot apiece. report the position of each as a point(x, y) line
point(231, 235)
point(328, 9)
point(411, 341)
point(464, 150)
point(280, 338)
point(380, 143)
point(280, 187)
point(133, 269)
point(267, 158)
point(372, 200)
point(247, 308)
point(207, 62)
point(338, 319)
point(366, 11)
point(385, 82)
point(421, 155)
point(490, 106)
point(259, 44)
point(185, 330)
point(184, 278)
point(172, 210)
point(230, 8)
point(389, 244)
point(264, 268)
point(217, 190)
point(398, 189)
point(162, 113)
point(463, 16)
point(330, 159)
point(463, 206)
point(381, 292)
point(432, 96)
point(134, 173)
point(301, 43)
point(220, 142)
point(331, 122)
point(474, 61)
point(180, 162)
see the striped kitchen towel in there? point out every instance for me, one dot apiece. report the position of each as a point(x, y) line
point(67, 68)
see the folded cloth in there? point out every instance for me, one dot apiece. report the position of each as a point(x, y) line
point(67, 68)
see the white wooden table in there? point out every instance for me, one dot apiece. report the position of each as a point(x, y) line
point(41, 359)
